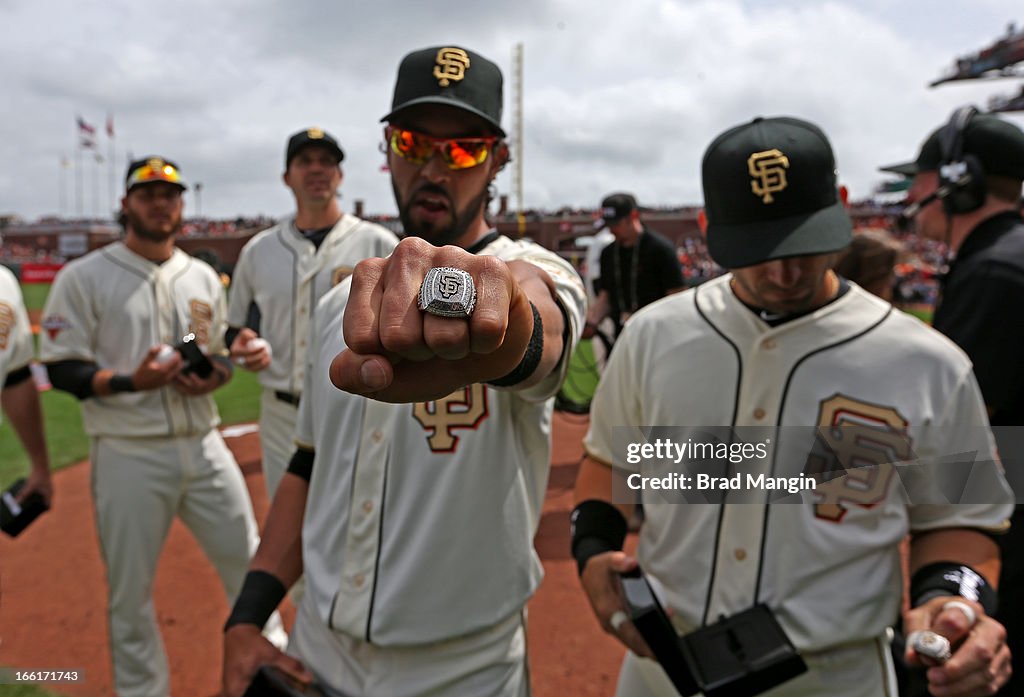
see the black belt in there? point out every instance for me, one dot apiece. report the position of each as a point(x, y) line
point(288, 397)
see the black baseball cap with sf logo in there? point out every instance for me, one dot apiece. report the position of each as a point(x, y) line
point(449, 75)
point(770, 192)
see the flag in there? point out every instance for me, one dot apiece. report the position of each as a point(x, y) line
point(110, 125)
point(85, 128)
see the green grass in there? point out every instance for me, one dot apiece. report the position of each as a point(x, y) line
point(238, 402)
point(35, 294)
point(582, 375)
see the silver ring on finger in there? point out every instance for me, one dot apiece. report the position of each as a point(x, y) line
point(618, 619)
point(447, 292)
point(972, 616)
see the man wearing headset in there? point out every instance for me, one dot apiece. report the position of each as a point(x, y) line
point(967, 182)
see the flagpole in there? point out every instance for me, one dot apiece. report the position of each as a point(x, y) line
point(62, 166)
point(96, 187)
point(78, 182)
point(110, 162)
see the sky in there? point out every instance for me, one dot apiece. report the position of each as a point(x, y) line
point(616, 95)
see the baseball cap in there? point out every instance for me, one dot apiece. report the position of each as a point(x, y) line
point(449, 75)
point(615, 207)
point(312, 136)
point(998, 145)
point(150, 170)
point(770, 192)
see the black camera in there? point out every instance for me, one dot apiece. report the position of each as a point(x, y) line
point(195, 361)
point(739, 656)
point(271, 682)
point(15, 517)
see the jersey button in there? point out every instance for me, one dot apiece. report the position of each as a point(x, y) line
point(740, 554)
point(759, 413)
point(377, 436)
point(367, 506)
point(359, 580)
point(768, 344)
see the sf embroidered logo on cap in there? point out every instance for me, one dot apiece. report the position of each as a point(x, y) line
point(769, 171)
point(315, 133)
point(452, 64)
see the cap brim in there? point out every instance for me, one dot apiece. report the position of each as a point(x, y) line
point(907, 169)
point(181, 185)
point(438, 99)
point(734, 246)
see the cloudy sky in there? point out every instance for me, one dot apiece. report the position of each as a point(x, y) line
point(618, 95)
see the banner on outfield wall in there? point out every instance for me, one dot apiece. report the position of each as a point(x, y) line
point(39, 273)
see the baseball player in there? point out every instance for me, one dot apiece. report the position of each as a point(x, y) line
point(18, 394)
point(281, 274)
point(416, 491)
point(783, 342)
point(156, 453)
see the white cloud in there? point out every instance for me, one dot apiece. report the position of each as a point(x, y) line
point(618, 96)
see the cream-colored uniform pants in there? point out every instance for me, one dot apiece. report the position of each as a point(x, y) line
point(858, 670)
point(277, 438)
point(139, 485)
point(488, 663)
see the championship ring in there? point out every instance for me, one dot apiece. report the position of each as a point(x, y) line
point(447, 292)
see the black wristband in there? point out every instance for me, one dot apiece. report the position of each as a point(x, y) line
point(121, 383)
point(301, 464)
point(531, 359)
point(949, 578)
point(261, 593)
point(597, 527)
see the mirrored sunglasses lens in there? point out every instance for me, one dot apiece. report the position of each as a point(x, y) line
point(411, 146)
point(462, 154)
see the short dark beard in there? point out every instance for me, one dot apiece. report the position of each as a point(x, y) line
point(135, 224)
point(440, 236)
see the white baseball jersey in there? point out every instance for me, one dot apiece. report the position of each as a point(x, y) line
point(828, 567)
point(15, 331)
point(285, 275)
point(110, 307)
point(420, 517)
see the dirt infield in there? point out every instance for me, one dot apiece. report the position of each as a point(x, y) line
point(53, 602)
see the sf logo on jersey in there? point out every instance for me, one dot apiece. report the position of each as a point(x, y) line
point(858, 443)
point(463, 408)
point(6, 324)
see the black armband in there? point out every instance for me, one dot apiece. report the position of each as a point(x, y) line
point(597, 527)
point(301, 464)
point(16, 377)
point(261, 593)
point(949, 578)
point(531, 359)
point(121, 383)
point(73, 376)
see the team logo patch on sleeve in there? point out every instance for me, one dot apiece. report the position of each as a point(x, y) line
point(858, 446)
point(54, 325)
point(202, 318)
point(6, 324)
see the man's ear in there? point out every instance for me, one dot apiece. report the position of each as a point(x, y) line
point(502, 156)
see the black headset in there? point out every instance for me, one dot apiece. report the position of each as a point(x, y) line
point(961, 176)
